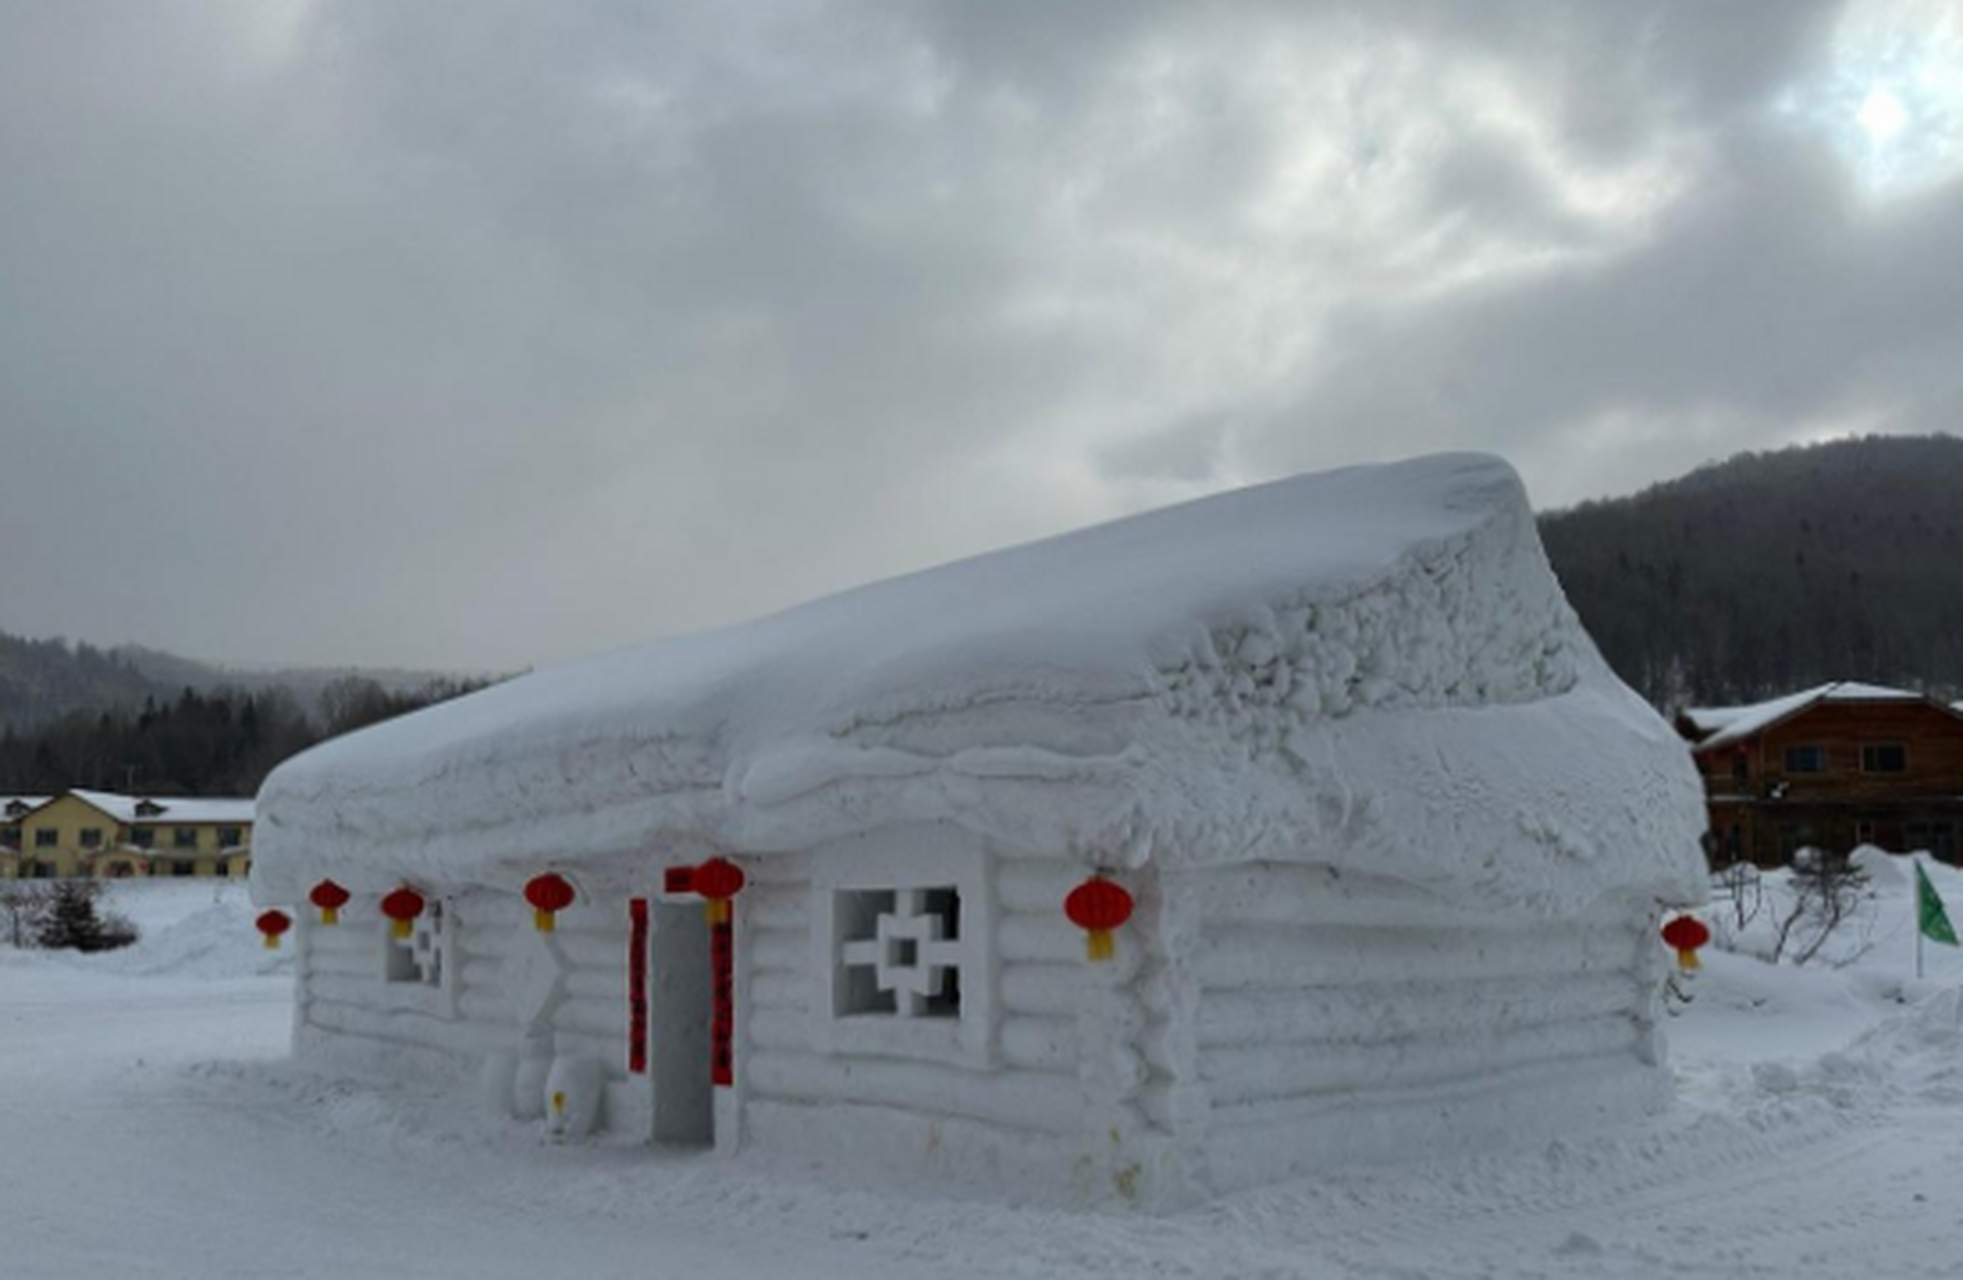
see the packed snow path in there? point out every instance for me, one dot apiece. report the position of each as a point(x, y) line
point(149, 1127)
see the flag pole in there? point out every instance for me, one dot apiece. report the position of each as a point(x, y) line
point(1918, 919)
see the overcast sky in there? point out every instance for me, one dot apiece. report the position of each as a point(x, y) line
point(488, 334)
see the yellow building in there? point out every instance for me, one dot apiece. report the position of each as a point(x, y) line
point(99, 833)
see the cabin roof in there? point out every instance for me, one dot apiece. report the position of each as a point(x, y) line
point(1726, 726)
point(1372, 666)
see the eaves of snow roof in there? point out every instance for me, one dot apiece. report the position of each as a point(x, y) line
point(1728, 725)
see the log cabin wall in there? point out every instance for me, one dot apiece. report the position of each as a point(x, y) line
point(1837, 775)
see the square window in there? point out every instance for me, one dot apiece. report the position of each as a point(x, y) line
point(91, 837)
point(420, 958)
point(1806, 759)
point(230, 837)
point(184, 838)
point(901, 921)
point(44, 838)
point(1884, 757)
point(899, 952)
point(143, 837)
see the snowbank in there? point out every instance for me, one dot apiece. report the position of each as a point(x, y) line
point(186, 928)
point(1372, 667)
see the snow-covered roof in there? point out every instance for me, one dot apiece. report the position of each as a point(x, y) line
point(216, 812)
point(134, 811)
point(26, 804)
point(1727, 725)
point(1372, 667)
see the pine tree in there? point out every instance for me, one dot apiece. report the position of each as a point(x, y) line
point(72, 923)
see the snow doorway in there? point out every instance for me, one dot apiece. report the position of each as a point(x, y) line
point(680, 987)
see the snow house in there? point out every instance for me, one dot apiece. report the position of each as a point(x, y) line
point(1282, 832)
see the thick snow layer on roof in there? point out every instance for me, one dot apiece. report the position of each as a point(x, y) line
point(124, 809)
point(1372, 666)
point(1727, 725)
point(203, 811)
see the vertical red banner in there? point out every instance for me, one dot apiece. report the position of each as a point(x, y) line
point(722, 1018)
point(637, 985)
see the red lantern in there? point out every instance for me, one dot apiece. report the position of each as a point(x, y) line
point(1098, 906)
point(548, 894)
point(330, 898)
point(402, 907)
point(719, 880)
point(1686, 934)
point(273, 924)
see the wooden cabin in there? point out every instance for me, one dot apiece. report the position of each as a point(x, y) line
point(1830, 768)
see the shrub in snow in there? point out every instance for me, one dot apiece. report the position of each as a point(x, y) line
point(23, 905)
point(71, 921)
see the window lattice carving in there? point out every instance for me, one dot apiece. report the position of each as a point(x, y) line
point(899, 952)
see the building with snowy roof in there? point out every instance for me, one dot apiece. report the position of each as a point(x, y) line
point(1833, 767)
point(1274, 833)
point(101, 833)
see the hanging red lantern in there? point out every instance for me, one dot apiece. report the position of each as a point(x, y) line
point(273, 924)
point(1686, 934)
point(549, 894)
point(1098, 906)
point(402, 907)
point(330, 898)
point(718, 880)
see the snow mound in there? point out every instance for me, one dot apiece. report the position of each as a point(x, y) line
point(1371, 667)
point(215, 941)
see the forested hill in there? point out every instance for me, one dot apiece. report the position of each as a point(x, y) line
point(1770, 572)
point(43, 679)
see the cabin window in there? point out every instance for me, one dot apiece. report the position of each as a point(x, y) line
point(91, 837)
point(1806, 759)
point(899, 952)
point(1741, 766)
point(903, 922)
point(182, 868)
point(143, 837)
point(184, 838)
point(422, 957)
point(1937, 839)
point(230, 837)
point(45, 838)
point(10, 837)
point(1884, 757)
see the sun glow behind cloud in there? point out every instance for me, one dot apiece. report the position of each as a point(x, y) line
point(1891, 101)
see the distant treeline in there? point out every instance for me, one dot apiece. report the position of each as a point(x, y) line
point(1772, 572)
point(216, 743)
point(43, 679)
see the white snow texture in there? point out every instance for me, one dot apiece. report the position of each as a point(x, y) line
point(1369, 668)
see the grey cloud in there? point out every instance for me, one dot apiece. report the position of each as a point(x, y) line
point(485, 334)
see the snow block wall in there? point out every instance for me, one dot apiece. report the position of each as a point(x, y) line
point(1000, 1101)
point(501, 991)
point(1342, 1020)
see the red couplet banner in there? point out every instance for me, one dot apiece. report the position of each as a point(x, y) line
point(637, 985)
point(722, 1017)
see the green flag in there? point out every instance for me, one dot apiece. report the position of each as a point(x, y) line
point(1929, 913)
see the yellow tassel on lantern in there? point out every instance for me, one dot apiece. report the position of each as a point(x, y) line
point(402, 928)
point(542, 921)
point(1100, 944)
point(1686, 960)
point(272, 942)
point(718, 911)
point(330, 915)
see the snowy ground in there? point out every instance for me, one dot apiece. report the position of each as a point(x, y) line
point(149, 1128)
